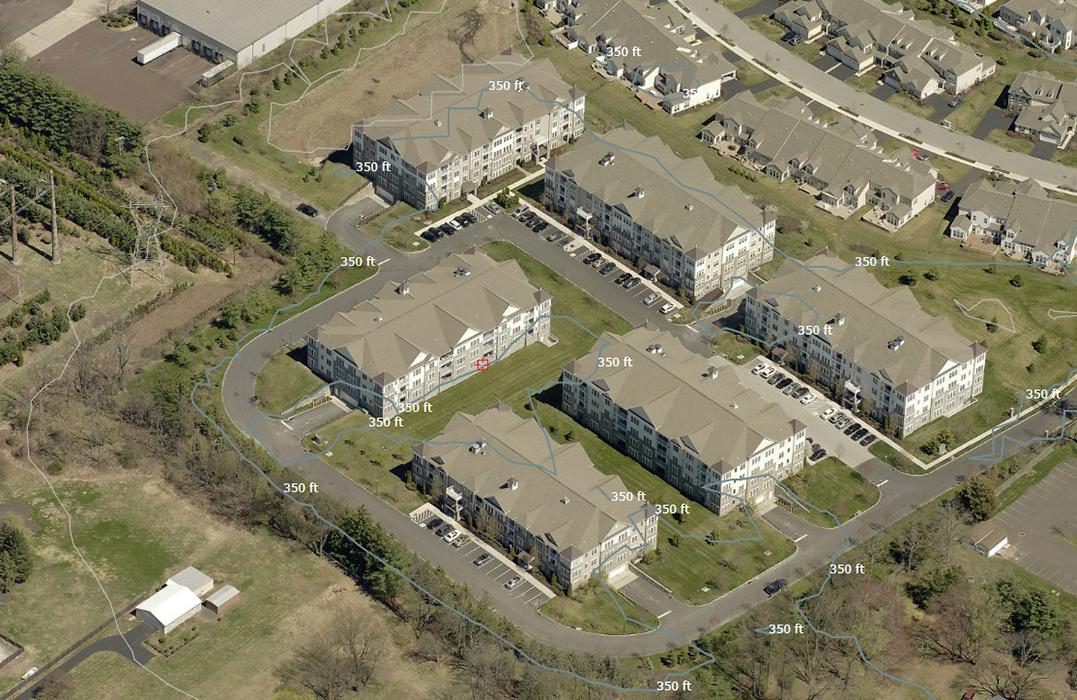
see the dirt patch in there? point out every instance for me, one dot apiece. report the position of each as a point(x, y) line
point(467, 31)
point(149, 333)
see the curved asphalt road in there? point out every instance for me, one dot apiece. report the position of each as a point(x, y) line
point(718, 21)
point(900, 495)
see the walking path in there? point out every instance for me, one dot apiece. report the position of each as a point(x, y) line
point(732, 32)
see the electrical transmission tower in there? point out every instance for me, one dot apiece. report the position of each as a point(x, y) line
point(149, 218)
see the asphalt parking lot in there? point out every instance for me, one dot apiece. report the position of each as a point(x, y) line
point(100, 62)
point(1035, 525)
point(833, 440)
point(496, 568)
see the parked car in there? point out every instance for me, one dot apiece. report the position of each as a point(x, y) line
point(667, 307)
point(792, 387)
point(775, 379)
point(461, 221)
point(526, 218)
point(519, 210)
point(469, 217)
point(619, 279)
point(631, 283)
point(513, 582)
point(443, 530)
point(788, 36)
point(460, 541)
point(783, 383)
point(455, 224)
point(796, 41)
point(766, 372)
point(775, 586)
point(868, 439)
point(942, 186)
point(493, 208)
point(307, 209)
point(835, 417)
point(434, 524)
point(482, 559)
point(430, 235)
point(817, 454)
point(451, 535)
point(859, 435)
point(801, 390)
point(599, 262)
point(539, 226)
point(807, 398)
point(948, 196)
point(590, 258)
point(852, 429)
point(650, 299)
point(825, 415)
point(607, 268)
point(956, 102)
point(447, 230)
point(758, 368)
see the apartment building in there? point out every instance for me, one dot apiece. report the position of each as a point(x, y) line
point(1021, 219)
point(838, 162)
point(666, 214)
point(685, 417)
point(874, 348)
point(1050, 23)
point(502, 474)
point(1046, 107)
point(419, 336)
point(918, 57)
point(463, 131)
point(652, 46)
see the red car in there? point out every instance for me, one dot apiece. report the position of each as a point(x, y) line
point(942, 186)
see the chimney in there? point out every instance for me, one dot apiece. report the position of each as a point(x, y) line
point(512, 484)
point(896, 343)
point(607, 159)
point(639, 192)
point(838, 320)
point(478, 448)
point(487, 113)
point(711, 373)
point(403, 289)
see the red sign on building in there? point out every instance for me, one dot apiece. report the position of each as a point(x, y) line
point(482, 364)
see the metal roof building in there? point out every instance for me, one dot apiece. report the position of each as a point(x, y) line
point(169, 607)
point(238, 30)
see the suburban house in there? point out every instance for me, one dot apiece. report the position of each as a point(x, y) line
point(178, 600)
point(635, 195)
point(838, 162)
point(463, 131)
point(1021, 219)
point(684, 417)
point(504, 475)
point(1049, 23)
point(650, 45)
point(873, 347)
point(422, 335)
point(919, 57)
point(1046, 107)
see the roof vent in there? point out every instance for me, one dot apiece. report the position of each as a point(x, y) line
point(403, 289)
point(379, 319)
point(896, 343)
point(689, 207)
point(478, 448)
point(838, 320)
point(655, 349)
point(487, 113)
point(711, 373)
point(639, 192)
point(461, 272)
point(733, 405)
point(817, 288)
point(607, 159)
point(564, 500)
point(512, 484)
point(437, 122)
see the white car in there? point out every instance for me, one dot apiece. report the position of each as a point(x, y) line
point(513, 582)
point(825, 415)
point(455, 224)
point(758, 368)
point(766, 371)
point(452, 535)
point(667, 307)
point(808, 398)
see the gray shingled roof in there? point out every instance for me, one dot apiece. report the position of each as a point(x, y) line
point(454, 115)
point(826, 289)
point(1038, 220)
point(681, 202)
point(560, 495)
point(393, 332)
point(691, 399)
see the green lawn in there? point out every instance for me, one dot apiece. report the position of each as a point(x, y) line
point(377, 459)
point(865, 82)
point(894, 458)
point(831, 485)
point(735, 348)
point(1067, 156)
point(398, 225)
point(1020, 144)
point(598, 608)
point(1019, 486)
point(909, 104)
point(692, 564)
point(283, 380)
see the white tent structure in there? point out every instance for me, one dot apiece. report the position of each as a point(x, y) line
point(169, 607)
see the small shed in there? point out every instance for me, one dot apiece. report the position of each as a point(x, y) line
point(987, 539)
point(199, 583)
point(169, 607)
point(222, 599)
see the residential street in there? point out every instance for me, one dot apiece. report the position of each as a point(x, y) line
point(718, 21)
point(900, 495)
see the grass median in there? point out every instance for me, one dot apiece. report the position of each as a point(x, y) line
point(283, 380)
point(597, 608)
point(831, 485)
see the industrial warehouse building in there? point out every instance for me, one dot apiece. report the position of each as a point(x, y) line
point(241, 31)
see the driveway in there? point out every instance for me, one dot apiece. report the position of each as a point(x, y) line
point(994, 118)
point(1043, 149)
point(829, 64)
point(1035, 525)
point(732, 32)
point(940, 106)
point(764, 7)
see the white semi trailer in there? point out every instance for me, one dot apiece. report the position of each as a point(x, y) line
point(159, 48)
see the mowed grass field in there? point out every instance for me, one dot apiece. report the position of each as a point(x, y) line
point(283, 380)
point(599, 609)
point(375, 458)
point(831, 485)
point(919, 246)
point(135, 531)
